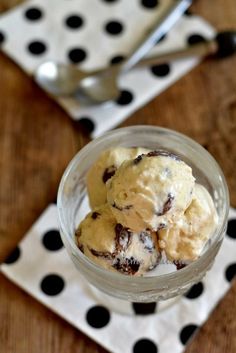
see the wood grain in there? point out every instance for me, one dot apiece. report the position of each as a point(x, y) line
point(37, 140)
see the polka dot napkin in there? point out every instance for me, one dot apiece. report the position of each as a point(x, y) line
point(94, 34)
point(48, 274)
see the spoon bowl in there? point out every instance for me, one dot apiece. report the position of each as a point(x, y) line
point(59, 79)
point(100, 87)
point(64, 80)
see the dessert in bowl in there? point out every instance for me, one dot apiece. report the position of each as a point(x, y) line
point(143, 212)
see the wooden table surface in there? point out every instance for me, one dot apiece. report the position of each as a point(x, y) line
point(37, 140)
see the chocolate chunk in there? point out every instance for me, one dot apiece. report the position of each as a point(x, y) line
point(121, 208)
point(123, 238)
point(167, 205)
point(128, 207)
point(95, 215)
point(138, 159)
point(128, 266)
point(147, 240)
point(108, 173)
point(163, 153)
point(81, 247)
point(161, 226)
point(118, 228)
point(179, 265)
point(104, 254)
point(117, 207)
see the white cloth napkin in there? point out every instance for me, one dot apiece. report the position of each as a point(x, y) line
point(41, 266)
point(79, 31)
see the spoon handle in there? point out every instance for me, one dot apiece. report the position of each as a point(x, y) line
point(195, 50)
point(222, 46)
point(163, 24)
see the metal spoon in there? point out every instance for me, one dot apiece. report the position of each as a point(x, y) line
point(102, 86)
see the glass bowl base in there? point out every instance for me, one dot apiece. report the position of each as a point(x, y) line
point(124, 307)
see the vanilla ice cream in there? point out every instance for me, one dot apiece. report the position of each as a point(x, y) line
point(186, 238)
point(104, 168)
point(146, 208)
point(151, 191)
point(109, 244)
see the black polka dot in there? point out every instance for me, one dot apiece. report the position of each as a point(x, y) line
point(187, 332)
point(37, 47)
point(160, 70)
point(188, 13)
point(116, 59)
point(13, 257)
point(87, 124)
point(195, 291)
point(52, 284)
point(149, 4)
point(77, 55)
point(145, 345)
point(231, 228)
point(195, 38)
point(125, 98)
point(52, 240)
point(144, 308)
point(114, 27)
point(33, 14)
point(74, 21)
point(98, 316)
point(230, 272)
point(2, 37)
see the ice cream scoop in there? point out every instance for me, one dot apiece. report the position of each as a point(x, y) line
point(104, 168)
point(186, 238)
point(151, 191)
point(112, 246)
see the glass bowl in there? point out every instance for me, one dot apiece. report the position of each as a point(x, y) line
point(73, 206)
